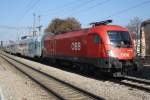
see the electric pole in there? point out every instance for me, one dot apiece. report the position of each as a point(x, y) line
point(1, 45)
point(34, 21)
point(40, 26)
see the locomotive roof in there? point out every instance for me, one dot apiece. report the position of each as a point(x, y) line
point(78, 32)
point(110, 26)
point(86, 30)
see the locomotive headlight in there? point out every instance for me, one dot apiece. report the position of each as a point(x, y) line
point(110, 53)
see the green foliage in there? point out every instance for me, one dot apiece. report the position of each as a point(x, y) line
point(59, 26)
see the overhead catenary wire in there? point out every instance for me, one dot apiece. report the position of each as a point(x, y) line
point(13, 27)
point(82, 3)
point(28, 10)
point(80, 10)
point(31, 5)
point(128, 9)
point(89, 8)
point(72, 6)
point(61, 6)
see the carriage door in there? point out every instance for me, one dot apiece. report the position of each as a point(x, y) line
point(94, 44)
point(53, 47)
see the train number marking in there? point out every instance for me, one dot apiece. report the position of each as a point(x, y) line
point(76, 46)
point(124, 54)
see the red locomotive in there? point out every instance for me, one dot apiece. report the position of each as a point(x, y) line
point(108, 48)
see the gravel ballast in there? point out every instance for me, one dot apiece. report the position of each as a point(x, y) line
point(15, 85)
point(105, 89)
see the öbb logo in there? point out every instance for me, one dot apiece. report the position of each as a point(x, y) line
point(76, 46)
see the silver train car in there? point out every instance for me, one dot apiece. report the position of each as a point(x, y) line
point(28, 46)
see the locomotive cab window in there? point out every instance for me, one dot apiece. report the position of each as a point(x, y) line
point(120, 38)
point(96, 39)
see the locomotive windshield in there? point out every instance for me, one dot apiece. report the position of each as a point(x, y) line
point(120, 39)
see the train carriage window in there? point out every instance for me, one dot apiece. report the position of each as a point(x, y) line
point(96, 39)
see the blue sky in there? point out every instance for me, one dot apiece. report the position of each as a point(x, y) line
point(19, 13)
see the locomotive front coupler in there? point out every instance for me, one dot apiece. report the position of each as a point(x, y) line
point(115, 67)
point(114, 64)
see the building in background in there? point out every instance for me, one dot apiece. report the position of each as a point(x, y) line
point(145, 39)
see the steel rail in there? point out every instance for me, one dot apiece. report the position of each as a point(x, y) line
point(133, 83)
point(71, 89)
point(139, 80)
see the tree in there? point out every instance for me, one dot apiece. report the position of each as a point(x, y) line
point(59, 26)
point(134, 25)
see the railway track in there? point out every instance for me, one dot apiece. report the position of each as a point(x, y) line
point(134, 82)
point(59, 88)
point(63, 92)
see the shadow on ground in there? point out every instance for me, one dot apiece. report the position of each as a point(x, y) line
point(144, 73)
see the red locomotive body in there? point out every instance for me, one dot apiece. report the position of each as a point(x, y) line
point(106, 47)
